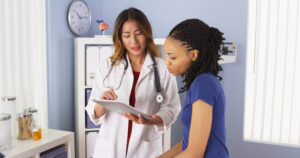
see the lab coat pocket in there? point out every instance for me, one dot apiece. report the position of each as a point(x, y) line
point(151, 149)
point(104, 149)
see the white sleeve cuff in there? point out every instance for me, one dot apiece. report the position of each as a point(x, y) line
point(162, 128)
point(91, 113)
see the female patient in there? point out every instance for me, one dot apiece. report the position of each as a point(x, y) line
point(192, 51)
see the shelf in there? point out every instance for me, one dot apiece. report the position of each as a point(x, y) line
point(86, 87)
point(227, 59)
point(31, 148)
point(91, 129)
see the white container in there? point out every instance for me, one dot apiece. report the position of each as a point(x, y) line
point(8, 105)
point(5, 134)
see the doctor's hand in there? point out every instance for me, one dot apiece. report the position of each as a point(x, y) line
point(109, 95)
point(155, 119)
point(99, 110)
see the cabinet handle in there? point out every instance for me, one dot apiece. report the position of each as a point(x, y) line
point(92, 75)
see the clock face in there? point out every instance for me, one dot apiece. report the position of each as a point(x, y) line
point(79, 17)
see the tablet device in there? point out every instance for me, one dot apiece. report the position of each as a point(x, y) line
point(120, 107)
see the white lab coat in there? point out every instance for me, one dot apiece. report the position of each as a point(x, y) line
point(146, 140)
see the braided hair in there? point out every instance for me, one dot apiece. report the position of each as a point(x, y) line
point(194, 34)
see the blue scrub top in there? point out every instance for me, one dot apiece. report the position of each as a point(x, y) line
point(207, 88)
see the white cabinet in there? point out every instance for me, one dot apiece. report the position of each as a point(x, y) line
point(50, 139)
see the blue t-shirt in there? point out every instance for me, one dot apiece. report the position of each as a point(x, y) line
point(207, 88)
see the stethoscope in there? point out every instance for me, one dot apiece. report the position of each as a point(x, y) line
point(159, 97)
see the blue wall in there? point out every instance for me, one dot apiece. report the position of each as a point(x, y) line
point(229, 16)
point(60, 61)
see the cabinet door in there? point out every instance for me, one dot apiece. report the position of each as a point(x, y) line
point(95, 54)
point(91, 138)
point(92, 61)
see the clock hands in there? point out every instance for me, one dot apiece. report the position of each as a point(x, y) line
point(78, 14)
point(80, 17)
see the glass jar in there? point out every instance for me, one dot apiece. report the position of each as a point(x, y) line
point(8, 105)
point(5, 134)
point(24, 125)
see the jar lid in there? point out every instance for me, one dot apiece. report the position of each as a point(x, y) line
point(35, 130)
point(30, 110)
point(4, 116)
point(8, 98)
point(25, 114)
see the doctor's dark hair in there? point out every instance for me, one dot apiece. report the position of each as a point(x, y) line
point(194, 34)
point(143, 23)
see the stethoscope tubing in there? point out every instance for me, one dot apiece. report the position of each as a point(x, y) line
point(159, 96)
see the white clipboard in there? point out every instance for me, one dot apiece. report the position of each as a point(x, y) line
point(119, 107)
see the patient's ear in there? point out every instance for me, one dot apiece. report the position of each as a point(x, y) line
point(194, 54)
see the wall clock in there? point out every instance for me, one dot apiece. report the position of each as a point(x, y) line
point(79, 17)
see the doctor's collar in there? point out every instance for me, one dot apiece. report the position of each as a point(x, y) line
point(148, 61)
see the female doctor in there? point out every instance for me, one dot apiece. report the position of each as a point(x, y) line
point(134, 74)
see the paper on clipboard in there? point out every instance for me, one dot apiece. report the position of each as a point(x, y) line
point(119, 107)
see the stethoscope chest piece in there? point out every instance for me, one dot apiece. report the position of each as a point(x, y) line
point(159, 97)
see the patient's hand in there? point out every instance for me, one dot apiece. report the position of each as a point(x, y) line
point(155, 119)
